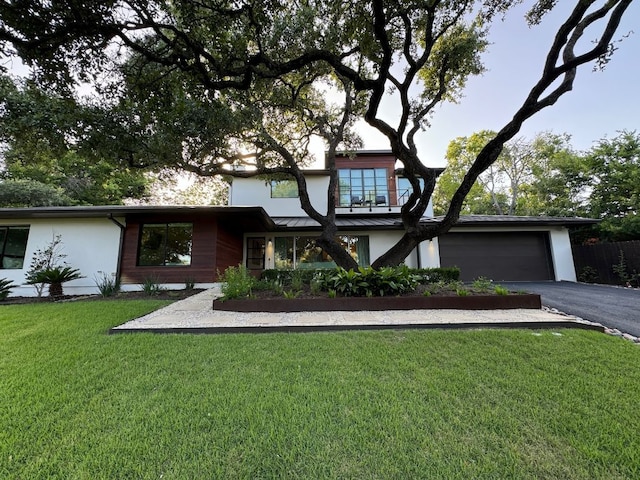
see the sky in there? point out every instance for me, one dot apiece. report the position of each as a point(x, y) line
point(601, 103)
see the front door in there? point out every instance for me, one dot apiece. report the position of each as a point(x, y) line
point(255, 253)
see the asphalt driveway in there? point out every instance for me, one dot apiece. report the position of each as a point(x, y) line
point(613, 307)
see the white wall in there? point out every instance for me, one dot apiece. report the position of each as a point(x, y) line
point(257, 192)
point(91, 245)
point(562, 255)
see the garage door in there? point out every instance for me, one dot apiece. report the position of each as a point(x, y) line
point(514, 256)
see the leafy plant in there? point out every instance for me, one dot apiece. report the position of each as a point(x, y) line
point(237, 282)
point(108, 285)
point(291, 294)
point(189, 283)
point(5, 288)
point(462, 292)
point(331, 293)
point(589, 275)
point(500, 290)
point(297, 280)
point(45, 259)
point(151, 285)
point(482, 284)
point(55, 277)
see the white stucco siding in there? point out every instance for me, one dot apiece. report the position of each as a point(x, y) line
point(257, 192)
point(91, 246)
point(562, 255)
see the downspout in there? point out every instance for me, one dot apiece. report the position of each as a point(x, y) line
point(120, 246)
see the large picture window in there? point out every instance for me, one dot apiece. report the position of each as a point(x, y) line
point(13, 244)
point(363, 186)
point(302, 252)
point(165, 244)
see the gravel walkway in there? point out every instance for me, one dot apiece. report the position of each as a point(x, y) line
point(195, 315)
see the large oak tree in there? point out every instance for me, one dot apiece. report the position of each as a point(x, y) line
point(248, 81)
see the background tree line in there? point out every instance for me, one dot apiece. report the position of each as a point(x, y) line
point(547, 176)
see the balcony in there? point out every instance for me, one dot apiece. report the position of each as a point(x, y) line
point(374, 200)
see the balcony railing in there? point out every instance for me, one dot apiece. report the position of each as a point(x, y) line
point(359, 198)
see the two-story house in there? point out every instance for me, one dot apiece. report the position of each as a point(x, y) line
point(265, 227)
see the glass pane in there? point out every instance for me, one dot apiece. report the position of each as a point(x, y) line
point(368, 173)
point(381, 173)
point(284, 189)
point(178, 250)
point(255, 253)
point(283, 254)
point(308, 255)
point(15, 246)
point(152, 244)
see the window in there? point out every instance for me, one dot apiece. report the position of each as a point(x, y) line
point(165, 244)
point(363, 186)
point(255, 253)
point(302, 252)
point(13, 242)
point(284, 189)
point(405, 189)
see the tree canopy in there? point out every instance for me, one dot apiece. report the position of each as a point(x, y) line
point(50, 140)
point(209, 85)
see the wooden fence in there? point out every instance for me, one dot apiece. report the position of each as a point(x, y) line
point(602, 257)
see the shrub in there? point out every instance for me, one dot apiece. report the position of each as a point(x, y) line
point(55, 277)
point(237, 282)
point(482, 284)
point(189, 283)
point(500, 290)
point(108, 285)
point(589, 275)
point(440, 274)
point(368, 282)
point(5, 288)
point(151, 285)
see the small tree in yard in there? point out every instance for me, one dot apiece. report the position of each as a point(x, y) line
point(48, 268)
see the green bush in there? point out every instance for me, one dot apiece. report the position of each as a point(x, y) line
point(440, 274)
point(5, 288)
point(482, 284)
point(55, 277)
point(237, 282)
point(108, 285)
point(369, 282)
point(287, 277)
point(151, 285)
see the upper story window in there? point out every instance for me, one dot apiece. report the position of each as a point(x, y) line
point(13, 244)
point(165, 244)
point(284, 189)
point(363, 186)
point(405, 189)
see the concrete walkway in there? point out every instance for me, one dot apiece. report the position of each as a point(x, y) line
point(195, 315)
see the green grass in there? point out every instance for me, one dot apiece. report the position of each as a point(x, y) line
point(77, 403)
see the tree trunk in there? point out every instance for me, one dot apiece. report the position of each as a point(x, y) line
point(55, 289)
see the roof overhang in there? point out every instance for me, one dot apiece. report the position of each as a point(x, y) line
point(247, 217)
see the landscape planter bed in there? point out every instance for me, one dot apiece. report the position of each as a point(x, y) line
point(472, 302)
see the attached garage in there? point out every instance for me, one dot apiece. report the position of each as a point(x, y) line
point(500, 256)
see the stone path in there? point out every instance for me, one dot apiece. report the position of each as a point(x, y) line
point(195, 315)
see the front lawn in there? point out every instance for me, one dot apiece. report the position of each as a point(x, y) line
point(77, 403)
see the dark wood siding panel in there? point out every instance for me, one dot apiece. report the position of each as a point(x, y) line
point(517, 256)
point(203, 252)
point(230, 249)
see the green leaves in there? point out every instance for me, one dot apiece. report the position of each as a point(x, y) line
point(369, 282)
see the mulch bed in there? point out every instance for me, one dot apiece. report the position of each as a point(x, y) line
point(171, 295)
